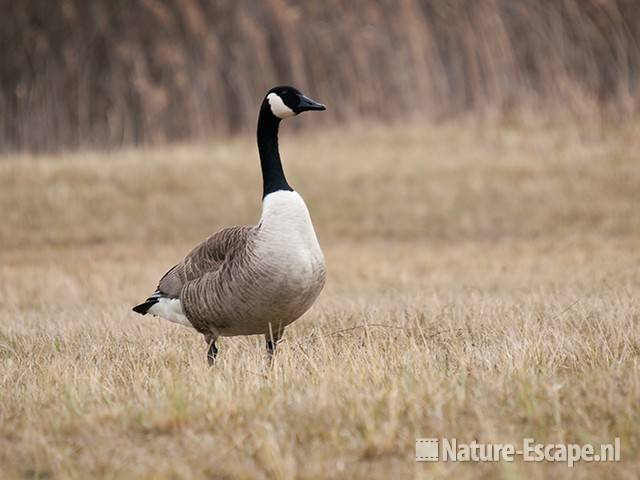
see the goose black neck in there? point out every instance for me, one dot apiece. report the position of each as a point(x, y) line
point(273, 178)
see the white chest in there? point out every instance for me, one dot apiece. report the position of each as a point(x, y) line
point(287, 240)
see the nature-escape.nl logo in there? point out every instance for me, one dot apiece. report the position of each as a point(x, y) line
point(450, 450)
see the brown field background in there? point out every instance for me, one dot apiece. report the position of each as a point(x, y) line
point(474, 184)
point(482, 285)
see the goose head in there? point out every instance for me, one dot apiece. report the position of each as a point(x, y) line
point(285, 102)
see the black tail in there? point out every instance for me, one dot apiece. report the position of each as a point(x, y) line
point(143, 308)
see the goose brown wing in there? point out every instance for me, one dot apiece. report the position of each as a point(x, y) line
point(207, 257)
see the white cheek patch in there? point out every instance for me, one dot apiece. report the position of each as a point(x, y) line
point(278, 107)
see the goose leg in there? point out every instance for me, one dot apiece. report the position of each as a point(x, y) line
point(213, 350)
point(271, 347)
point(272, 339)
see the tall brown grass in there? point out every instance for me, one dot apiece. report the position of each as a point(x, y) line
point(111, 72)
point(479, 287)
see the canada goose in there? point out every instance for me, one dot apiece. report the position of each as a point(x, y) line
point(251, 279)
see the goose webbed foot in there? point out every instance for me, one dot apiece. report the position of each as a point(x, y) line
point(212, 352)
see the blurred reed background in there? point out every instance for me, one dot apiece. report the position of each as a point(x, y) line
point(81, 73)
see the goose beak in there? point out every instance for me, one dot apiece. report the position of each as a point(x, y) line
point(306, 104)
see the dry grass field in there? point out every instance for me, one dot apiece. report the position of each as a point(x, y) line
point(483, 283)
